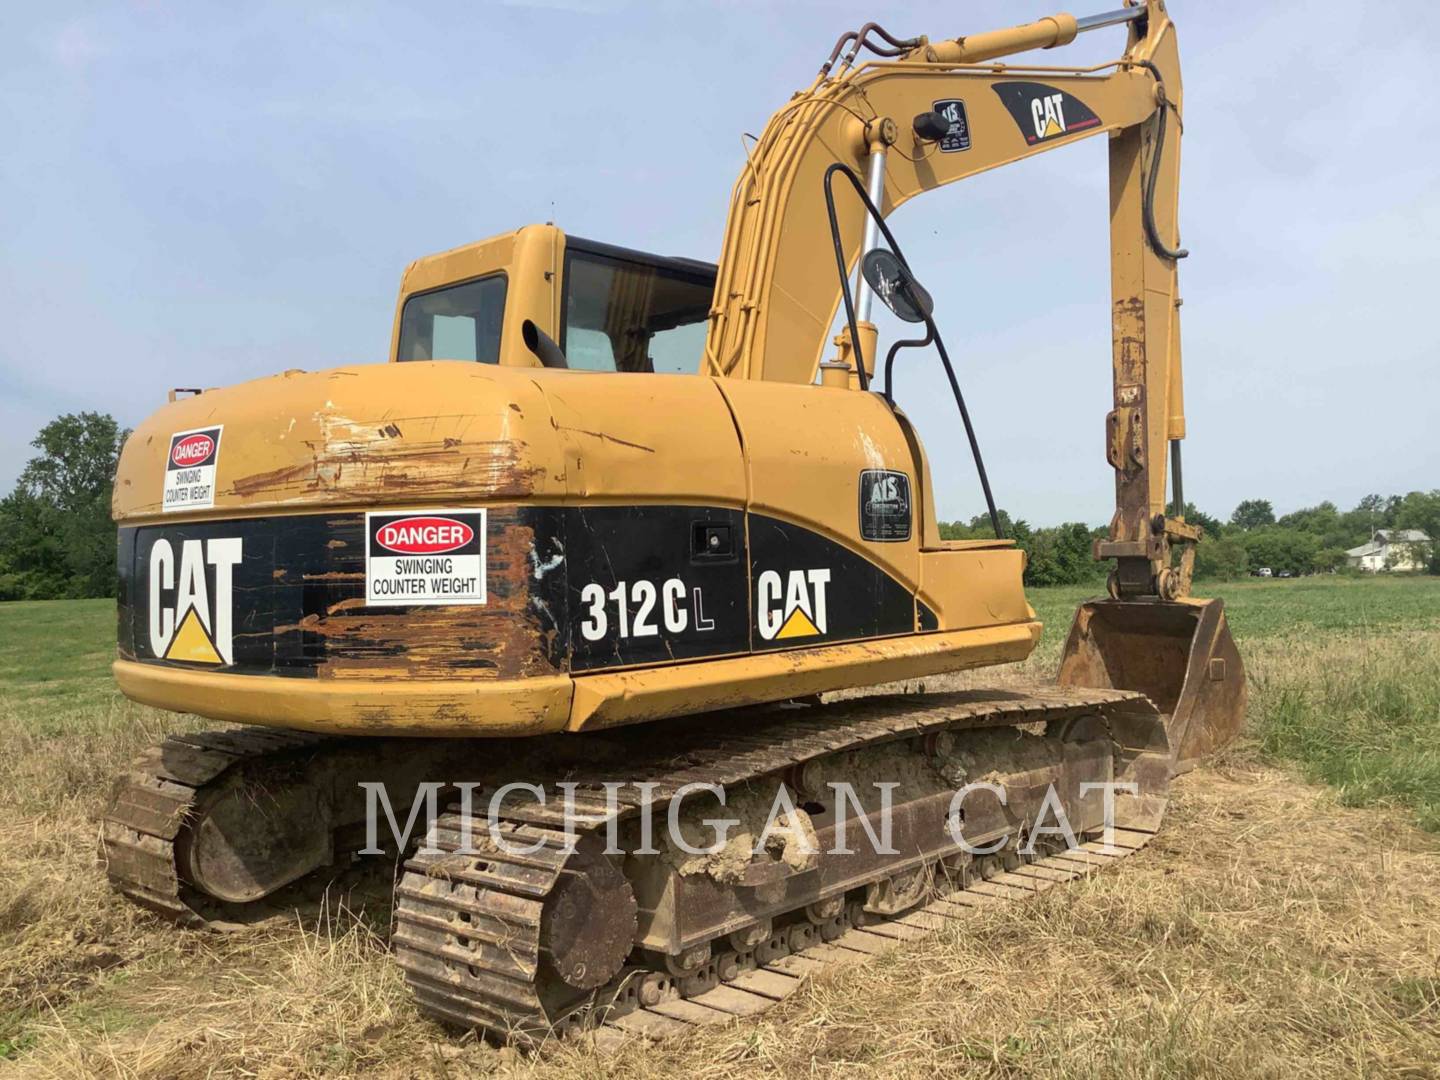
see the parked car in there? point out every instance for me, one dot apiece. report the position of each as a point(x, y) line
point(1262, 571)
point(1286, 573)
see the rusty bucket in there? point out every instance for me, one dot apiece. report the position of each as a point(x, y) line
point(1177, 653)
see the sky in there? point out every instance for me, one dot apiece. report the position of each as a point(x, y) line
point(199, 194)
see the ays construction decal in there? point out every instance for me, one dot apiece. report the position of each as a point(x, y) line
point(884, 505)
point(191, 599)
point(1043, 112)
point(190, 469)
point(425, 557)
point(957, 135)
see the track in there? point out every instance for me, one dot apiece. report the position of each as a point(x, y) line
point(471, 928)
point(143, 835)
point(756, 990)
point(526, 945)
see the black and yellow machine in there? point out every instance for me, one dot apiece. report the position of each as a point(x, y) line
point(612, 525)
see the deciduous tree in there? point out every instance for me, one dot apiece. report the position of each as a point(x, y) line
point(56, 538)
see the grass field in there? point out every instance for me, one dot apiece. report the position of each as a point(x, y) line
point(1286, 923)
point(1345, 679)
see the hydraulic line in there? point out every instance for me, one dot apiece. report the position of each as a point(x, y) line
point(931, 330)
point(1148, 208)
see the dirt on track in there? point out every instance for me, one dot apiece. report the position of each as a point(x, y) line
point(1267, 932)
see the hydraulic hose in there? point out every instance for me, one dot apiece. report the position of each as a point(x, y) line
point(932, 333)
point(1148, 207)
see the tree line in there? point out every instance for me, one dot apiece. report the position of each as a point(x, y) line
point(57, 540)
point(1308, 541)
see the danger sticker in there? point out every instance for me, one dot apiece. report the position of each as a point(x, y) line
point(190, 469)
point(425, 557)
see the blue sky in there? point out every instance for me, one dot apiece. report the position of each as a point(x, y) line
point(197, 194)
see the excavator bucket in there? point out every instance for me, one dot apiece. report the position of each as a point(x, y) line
point(1178, 653)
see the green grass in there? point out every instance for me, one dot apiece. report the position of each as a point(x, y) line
point(1328, 605)
point(1323, 605)
point(1366, 722)
point(57, 652)
point(1344, 678)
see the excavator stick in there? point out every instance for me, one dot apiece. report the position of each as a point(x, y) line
point(1178, 653)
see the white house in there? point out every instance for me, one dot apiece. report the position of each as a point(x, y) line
point(1391, 549)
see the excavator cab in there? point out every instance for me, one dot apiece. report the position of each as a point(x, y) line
point(539, 298)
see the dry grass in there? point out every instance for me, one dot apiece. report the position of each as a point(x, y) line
point(1270, 931)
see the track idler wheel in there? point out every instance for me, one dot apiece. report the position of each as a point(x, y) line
point(589, 920)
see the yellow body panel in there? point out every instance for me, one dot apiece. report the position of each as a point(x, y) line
point(439, 707)
point(640, 437)
point(445, 431)
point(541, 705)
point(356, 436)
point(811, 479)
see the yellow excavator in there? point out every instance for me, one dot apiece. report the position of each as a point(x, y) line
point(610, 525)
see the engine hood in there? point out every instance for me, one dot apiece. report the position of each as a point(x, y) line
point(425, 433)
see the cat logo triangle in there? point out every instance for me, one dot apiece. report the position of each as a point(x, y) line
point(192, 643)
point(798, 625)
point(1052, 128)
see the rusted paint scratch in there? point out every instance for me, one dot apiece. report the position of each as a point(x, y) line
point(359, 461)
point(505, 638)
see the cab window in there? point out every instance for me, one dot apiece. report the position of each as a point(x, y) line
point(626, 315)
point(460, 322)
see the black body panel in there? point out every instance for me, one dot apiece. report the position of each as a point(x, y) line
point(568, 588)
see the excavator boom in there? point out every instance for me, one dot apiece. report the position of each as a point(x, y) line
point(923, 115)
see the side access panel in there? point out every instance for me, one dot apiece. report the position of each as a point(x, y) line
point(831, 491)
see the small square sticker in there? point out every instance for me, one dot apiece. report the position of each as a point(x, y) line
point(190, 469)
point(884, 506)
point(957, 138)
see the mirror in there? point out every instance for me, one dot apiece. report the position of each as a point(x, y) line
point(896, 287)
